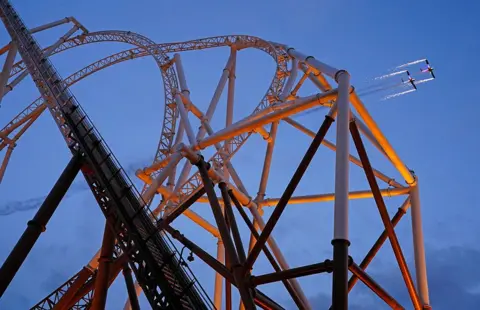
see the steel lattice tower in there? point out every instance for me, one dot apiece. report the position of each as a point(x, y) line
point(138, 237)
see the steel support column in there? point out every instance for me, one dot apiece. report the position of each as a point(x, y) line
point(202, 254)
point(232, 222)
point(231, 255)
point(340, 226)
point(132, 294)
point(419, 247)
point(287, 194)
point(384, 215)
point(377, 289)
point(38, 224)
point(7, 67)
point(326, 266)
point(105, 261)
point(267, 252)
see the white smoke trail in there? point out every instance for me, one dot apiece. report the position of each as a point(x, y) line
point(410, 63)
point(423, 81)
point(390, 75)
point(307, 112)
point(368, 91)
point(398, 94)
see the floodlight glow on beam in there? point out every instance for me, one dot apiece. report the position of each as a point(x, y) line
point(238, 128)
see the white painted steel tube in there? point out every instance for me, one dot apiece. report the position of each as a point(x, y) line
point(157, 182)
point(418, 245)
point(311, 61)
point(242, 127)
point(230, 100)
point(181, 75)
point(178, 140)
point(184, 120)
point(61, 40)
point(216, 96)
point(217, 294)
point(7, 67)
point(317, 78)
point(291, 80)
point(51, 25)
point(372, 125)
point(341, 159)
point(267, 163)
point(47, 52)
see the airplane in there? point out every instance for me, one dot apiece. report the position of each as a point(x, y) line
point(411, 80)
point(428, 69)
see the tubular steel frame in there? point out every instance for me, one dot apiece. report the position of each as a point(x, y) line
point(137, 236)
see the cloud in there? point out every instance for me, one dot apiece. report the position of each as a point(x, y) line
point(452, 285)
point(77, 187)
point(22, 205)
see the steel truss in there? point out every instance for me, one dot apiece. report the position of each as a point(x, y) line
point(137, 236)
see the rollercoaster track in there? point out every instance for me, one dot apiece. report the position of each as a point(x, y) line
point(159, 52)
point(192, 184)
point(166, 284)
point(140, 234)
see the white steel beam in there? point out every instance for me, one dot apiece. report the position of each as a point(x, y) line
point(418, 245)
point(240, 127)
point(7, 66)
point(341, 159)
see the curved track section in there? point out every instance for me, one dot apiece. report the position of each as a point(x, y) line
point(160, 53)
point(38, 106)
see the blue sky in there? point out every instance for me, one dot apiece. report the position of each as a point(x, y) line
point(433, 130)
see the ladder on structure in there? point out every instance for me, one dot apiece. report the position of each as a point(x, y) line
point(165, 282)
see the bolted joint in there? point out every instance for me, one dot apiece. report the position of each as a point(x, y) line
point(415, 179)
point(339, 73)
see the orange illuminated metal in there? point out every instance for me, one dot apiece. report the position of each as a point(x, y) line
point(169, 181)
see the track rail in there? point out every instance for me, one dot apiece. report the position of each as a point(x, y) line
point(164, 282)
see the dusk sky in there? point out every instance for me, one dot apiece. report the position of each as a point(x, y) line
point(433, 130)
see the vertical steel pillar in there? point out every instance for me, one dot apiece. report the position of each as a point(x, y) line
point(7, 66)
point(288, 285)
point(217, 295)
point(230, 102)
point(103, 273)
point(340, 226)
point(38, 224)
point(418, 246)
point(232, 222)
point(132, 294)
point(231, 255)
